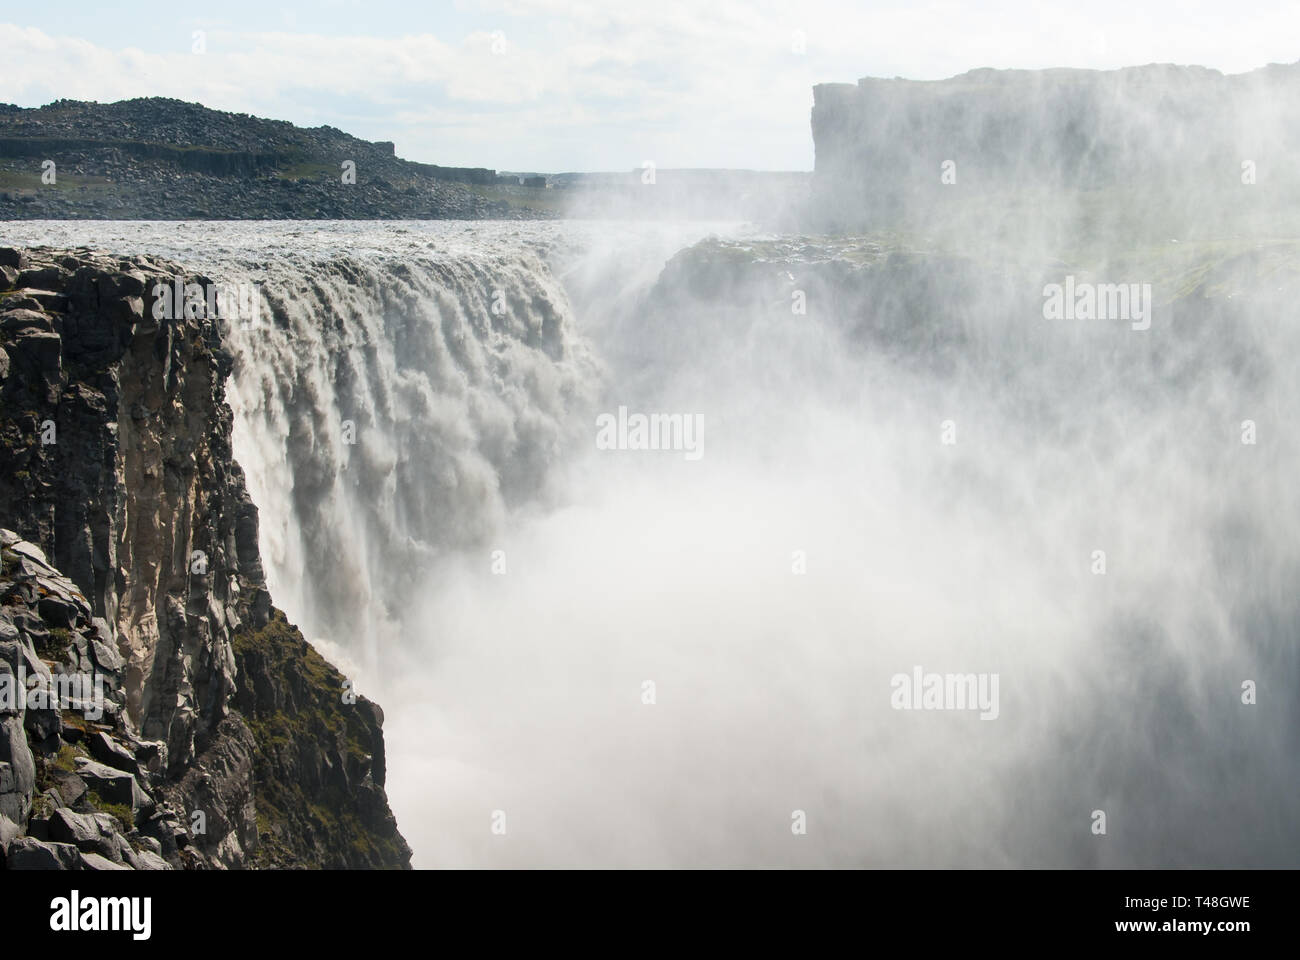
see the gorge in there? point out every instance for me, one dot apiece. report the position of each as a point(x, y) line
point(393, 481)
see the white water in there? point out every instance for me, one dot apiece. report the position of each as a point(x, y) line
point(522, 691)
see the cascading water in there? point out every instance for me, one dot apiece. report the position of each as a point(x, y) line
point(597, 656)
point(393, 411)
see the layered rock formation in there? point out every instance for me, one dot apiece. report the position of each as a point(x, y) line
point(132, 556)
point(1025, 142)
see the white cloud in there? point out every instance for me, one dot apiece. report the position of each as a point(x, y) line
point(690, 84)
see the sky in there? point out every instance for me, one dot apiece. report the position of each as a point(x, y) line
point(544, 85)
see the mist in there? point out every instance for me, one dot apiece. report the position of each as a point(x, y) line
point(1027, 420)
point(829, 540)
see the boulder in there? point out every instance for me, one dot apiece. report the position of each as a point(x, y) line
point(39, 356)
point(93, 861)
point(106, 656)
point(44, 726)
point(44, 278)
point(80, 829)
point(128, 283)
point(17, 770)
point(17, 320)
point(27, 853)
point(70, 787)
point(166, 830)
point(32, 552)
point(107, 750)
point(48, 299)
point(147, 843)
point(112, 785)
point(147, 860)
point(152, 755)
point(19, 300)
point(90, 833)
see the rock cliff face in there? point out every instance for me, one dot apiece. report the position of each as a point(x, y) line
point(131, 556)
point(1161, 136)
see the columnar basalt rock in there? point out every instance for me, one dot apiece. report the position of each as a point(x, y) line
point(131, 555)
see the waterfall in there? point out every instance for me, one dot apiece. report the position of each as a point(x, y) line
point(390, 411)
point(913, 473)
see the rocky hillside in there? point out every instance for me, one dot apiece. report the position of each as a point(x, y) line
point(159, 159)
point(213, 735)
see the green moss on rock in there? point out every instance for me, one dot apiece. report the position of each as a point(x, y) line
point(319, 765)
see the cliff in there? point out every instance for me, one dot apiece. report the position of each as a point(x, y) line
point(1134, 145)
point(131, 561)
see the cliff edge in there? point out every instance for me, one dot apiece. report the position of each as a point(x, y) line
point(155, 710)
point(1151, 151)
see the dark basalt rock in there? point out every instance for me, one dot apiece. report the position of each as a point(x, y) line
point(114, 462)
point(27, 853)
point(161, 159)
